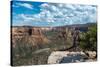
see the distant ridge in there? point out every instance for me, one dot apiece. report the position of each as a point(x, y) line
point(73, 25)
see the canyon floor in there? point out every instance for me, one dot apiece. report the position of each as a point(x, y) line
point(35, 46)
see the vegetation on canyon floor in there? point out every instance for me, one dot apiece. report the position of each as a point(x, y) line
point(31, 49)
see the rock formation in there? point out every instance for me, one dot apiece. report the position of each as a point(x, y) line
point(31, 35)
point(57, 57)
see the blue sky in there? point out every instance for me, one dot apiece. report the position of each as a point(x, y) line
point(51, 14)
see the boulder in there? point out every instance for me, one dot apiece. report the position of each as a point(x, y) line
point(91, 54)
point(66, 57)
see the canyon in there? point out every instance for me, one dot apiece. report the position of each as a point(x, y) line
point(38, 45)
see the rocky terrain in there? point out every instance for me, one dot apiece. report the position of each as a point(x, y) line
point(40, 34)
point(48, 45)
point(57, 57)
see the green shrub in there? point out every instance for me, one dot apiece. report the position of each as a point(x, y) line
point(88, 40)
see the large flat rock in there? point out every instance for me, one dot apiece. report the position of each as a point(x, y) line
point(67, 57)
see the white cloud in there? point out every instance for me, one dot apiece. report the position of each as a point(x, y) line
point(26, 5)
point(44, 5)
point(72, 7)
point(14, 5)
point(61, 14)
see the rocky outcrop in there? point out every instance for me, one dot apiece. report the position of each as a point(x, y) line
point(91, 54)
point(22, 31)
point(67, 57)
point(27, 35)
